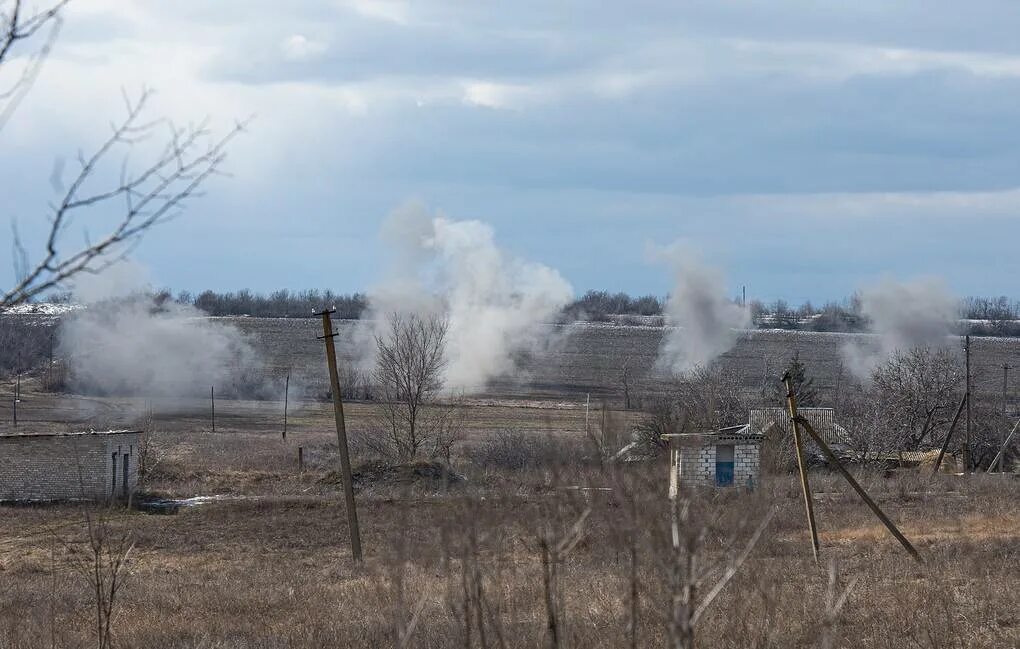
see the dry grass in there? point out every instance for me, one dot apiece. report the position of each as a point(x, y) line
point(275, 572)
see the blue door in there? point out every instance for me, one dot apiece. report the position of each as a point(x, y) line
point(724, 465)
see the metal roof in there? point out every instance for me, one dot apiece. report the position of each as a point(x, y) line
point(69, 433)
point(823, 420)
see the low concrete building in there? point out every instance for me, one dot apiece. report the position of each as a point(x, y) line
point(733, 456)
point(722, 458)
point(69, 466)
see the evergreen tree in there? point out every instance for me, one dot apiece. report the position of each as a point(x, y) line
point(803, 385)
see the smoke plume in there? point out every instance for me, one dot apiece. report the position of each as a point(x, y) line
point(123, 342)
point(904, 315)
point(495, 304)
point(702, 322)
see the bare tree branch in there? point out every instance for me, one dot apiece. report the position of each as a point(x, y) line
point(16, 26)
point(150, 197)
point(138, 200)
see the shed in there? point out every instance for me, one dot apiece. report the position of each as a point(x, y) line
point(90, 465)
point(722, 458)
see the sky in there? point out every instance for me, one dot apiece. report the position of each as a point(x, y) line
point(805, 149)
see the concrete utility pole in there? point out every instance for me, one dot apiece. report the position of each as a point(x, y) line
point(341, 433)
point(212, 405)
point(966, 449)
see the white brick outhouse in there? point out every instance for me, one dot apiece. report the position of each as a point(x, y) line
point(69, 466)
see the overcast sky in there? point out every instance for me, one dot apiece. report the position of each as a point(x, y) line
point(804, 148)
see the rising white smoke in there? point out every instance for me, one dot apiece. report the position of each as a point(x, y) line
point(904, 315)
point(123, 342)
point(495, 303)
point(702, 322)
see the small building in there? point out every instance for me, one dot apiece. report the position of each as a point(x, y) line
point(822, 420)
point(722, 458)
point(69, 466)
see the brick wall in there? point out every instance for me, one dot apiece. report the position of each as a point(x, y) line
point(746, 464)
point(697, 464)
point(63, 467)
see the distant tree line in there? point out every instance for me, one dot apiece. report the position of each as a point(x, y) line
point(599, 305)
point(278, 304)
point(982, 316)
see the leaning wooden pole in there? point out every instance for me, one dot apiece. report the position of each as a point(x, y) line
point(858, 488)
point(966, 448)
point(998, 456)
point(341, 433)
point(949, 435)
point(809, 507)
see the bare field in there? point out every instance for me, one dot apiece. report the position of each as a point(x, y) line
point(275, 572)
point(588, 358)
point(266, 565)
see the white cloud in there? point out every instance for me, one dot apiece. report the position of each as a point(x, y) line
point(495, 95)
point(299, 48)
point(392, 11)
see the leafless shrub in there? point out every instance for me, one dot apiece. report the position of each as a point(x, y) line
point(604, 434)
point(354, 383)
point(512, 450)
point(102, 565)
point(664, 417)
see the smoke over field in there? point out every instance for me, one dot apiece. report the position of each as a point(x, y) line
point(495, 303)
point(704, 321)
point(123, 342)
point(904, 315)
point(133, 346)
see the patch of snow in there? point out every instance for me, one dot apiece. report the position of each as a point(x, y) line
point(42, 308)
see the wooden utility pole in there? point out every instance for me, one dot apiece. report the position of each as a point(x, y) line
point(966, 448)
point(17, 398)
point(286, 397)
point(212, 405)
point(809, 507)
point(858, 488)
point(945, 443)
point(341, 433)
point(1005, 391)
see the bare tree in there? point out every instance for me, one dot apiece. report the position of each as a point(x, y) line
point(860, 414)
point(626, 381)
point(917, 393)
point(408, 374)
point(141, 197)
point(709, 397)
